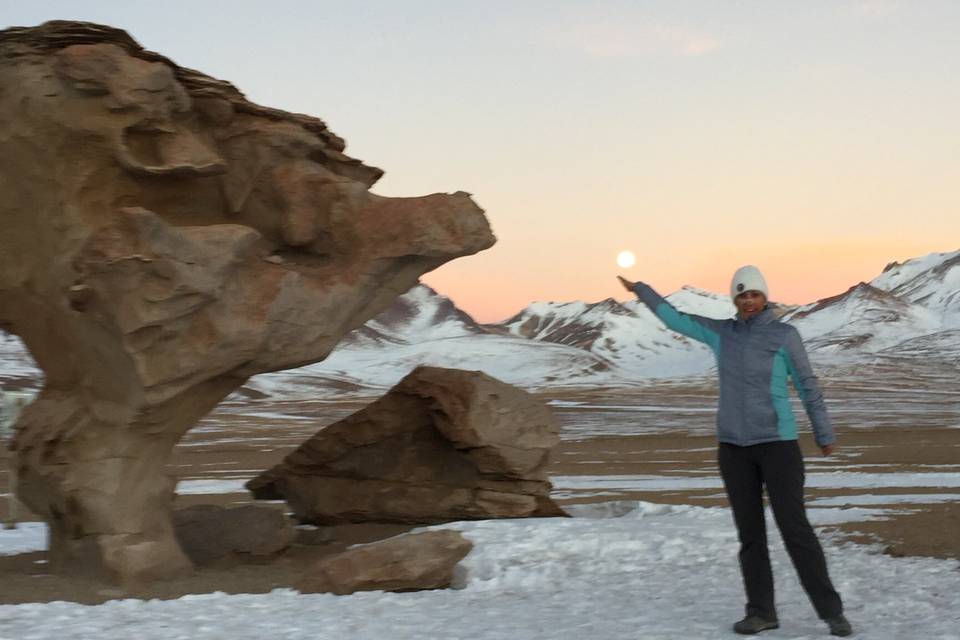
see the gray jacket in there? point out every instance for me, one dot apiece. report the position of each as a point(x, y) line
point(754, 358)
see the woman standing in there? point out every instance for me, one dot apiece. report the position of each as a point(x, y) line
point(758, 448)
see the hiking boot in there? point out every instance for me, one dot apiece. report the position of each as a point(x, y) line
point(754, 624)
point(839, 626)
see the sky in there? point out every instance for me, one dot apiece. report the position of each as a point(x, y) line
point(816, 139)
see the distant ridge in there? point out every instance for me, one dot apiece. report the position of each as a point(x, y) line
point(910, 310)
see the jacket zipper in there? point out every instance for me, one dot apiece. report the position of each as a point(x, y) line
point(743, 379)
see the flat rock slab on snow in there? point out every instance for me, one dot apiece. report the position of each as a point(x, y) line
point(409, 562)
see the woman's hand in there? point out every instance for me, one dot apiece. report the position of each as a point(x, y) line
point(626, 283)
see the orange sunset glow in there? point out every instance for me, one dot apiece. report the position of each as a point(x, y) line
point(815, 140)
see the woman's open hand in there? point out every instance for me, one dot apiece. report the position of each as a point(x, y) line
point(626, 283)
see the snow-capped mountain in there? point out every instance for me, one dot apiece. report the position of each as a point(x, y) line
point(908, 301)
point(546, 344)
point(910, 310)
point(863, 318)
point(932, 281)
point(420, 315)
point(424, 327)
point(625, 334)
point(578, 324)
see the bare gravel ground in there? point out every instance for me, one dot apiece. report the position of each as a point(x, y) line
point(887, 423)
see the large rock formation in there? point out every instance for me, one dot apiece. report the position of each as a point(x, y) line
point(442, 445)
point(163, 240)
point(411, 562)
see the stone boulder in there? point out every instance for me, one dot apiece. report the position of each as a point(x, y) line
point(211, 534)
point(442, 445)
point(164, 239)
point(411, 562)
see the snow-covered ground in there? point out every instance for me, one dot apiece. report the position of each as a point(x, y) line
point(818, 480)
point(657, 572)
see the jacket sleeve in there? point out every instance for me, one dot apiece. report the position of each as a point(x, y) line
point(705, 330)
point(808, 388)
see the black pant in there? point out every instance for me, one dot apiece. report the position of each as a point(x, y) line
point(779, 466)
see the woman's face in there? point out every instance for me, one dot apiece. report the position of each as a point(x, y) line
point(749, 304)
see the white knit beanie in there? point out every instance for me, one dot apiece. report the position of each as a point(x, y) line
point(748, 278)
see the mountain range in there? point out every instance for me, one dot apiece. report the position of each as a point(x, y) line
point(911, 303)
point(910, 310)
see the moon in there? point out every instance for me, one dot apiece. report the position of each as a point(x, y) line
point(626, 259)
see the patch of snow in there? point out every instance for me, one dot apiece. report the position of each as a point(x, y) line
point(18, 370)
point(882, 499)
point(27, 537)
point(660, 572)
point(818, 480)
point(525, 363)
point(198, 487)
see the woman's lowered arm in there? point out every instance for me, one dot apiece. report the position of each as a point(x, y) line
point(808, 389)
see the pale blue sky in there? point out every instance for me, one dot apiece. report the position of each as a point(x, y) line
point(818, 139)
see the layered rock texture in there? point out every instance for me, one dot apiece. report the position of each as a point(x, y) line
point(410, 562)
point(442, 445)
point(163, 240)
